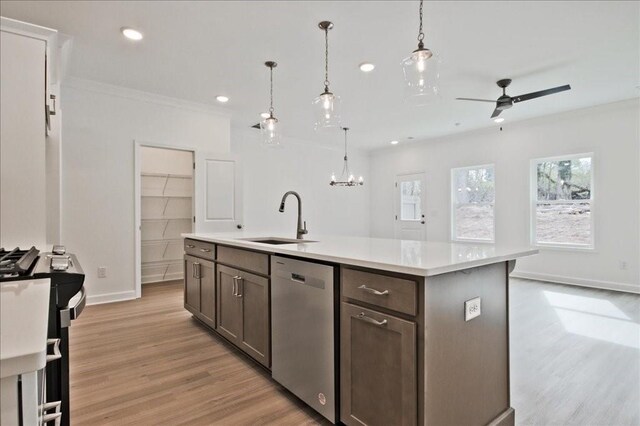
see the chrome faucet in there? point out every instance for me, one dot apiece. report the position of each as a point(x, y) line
point(300, 230)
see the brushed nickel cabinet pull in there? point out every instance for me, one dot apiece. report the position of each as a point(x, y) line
point(234, 287)
point(363, 317)
point(205, 250)
point(197, 270)
point(373, 291)
point(236, 280)
point(190, 246)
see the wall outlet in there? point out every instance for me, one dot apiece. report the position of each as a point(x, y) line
point(623, 265)
point(472, 309)
point(102, 271)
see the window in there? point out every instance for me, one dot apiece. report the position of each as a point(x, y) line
point(562, 201)
point(472, 203)
point(410, 196)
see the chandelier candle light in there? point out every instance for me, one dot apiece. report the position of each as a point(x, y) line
point(347, 178)
point(415, 69)
point(327, 105)
point(269, 126)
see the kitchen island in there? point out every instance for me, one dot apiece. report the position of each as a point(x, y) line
point(422, 328)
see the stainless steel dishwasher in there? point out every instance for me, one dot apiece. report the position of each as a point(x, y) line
point(302, 332)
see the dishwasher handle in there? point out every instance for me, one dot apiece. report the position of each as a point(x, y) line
point(298, 278)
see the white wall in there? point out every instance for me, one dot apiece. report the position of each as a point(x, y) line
point(304, 167)
point(611, 132)
point(100, 124)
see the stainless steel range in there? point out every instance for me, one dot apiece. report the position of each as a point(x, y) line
point(67, 279)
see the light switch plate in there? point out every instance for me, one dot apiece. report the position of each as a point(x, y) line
point(472, 309)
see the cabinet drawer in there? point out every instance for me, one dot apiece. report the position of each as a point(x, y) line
point(397, 294)
point(200, 249)
point(244, 259)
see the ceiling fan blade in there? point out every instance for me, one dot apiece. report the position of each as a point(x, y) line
point(472, 99)
point(496, 112)
point(534, 95)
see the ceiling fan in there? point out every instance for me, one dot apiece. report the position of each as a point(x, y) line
point(505, 101)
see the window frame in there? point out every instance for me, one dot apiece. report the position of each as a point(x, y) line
point(533, 200)
point(452, 197)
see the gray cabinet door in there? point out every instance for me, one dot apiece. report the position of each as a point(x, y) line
point(191, 285)
point(207, 292)
point(229, 304)
point(255, 338)
point(378, 368)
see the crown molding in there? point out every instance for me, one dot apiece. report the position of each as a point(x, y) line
point(139, 95)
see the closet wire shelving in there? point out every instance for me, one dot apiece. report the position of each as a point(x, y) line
point(162, 223)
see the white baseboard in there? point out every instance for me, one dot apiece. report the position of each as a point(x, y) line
point(156, 278)
point(582, 282)
point(99, 299)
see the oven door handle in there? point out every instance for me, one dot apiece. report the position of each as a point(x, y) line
point(56, 350)
point(72, 312)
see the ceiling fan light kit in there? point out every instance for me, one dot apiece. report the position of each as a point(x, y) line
point(327, 105)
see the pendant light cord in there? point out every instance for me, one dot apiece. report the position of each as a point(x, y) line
point(326, 59)
point(420, 32)
point(271, 91)
point(345, 169)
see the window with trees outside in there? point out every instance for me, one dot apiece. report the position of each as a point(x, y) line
point(472, 203)
point(562, 201)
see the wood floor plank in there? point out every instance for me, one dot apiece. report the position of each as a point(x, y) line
point(574, 361)
point(148, 362)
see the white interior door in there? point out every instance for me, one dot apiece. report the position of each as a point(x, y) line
point(410, 207)
point(218, 192)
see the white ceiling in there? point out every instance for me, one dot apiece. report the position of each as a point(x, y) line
point(197, 50)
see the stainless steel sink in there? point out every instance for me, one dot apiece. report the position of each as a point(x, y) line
point(277, 240)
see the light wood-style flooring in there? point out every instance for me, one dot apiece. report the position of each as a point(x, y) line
point(575, 360)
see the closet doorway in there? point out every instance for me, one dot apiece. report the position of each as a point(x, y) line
point(164, 210)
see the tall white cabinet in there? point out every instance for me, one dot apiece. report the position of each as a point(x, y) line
point(24, 97)
point(166, 208)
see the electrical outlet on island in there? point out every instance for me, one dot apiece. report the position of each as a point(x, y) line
point(472, 309)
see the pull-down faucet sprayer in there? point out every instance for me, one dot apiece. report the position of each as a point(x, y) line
point(300, 229)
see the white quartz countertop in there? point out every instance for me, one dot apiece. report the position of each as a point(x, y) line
point(24, 316)
point(423, 258)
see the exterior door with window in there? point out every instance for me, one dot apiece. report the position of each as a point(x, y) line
point(410, 208)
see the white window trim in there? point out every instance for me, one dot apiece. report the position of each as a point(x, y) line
point(533, 197)
point(452, 209)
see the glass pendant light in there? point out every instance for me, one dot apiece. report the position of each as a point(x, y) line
point(347, 178)
point(327, 105)
point(421, 73)
point(269, 125)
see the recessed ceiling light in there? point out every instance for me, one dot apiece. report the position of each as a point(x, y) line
point(499, 120)
point(394, 142)
point(131, 34)
point(222, 99)
point(265, 115)
point(367, 67)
